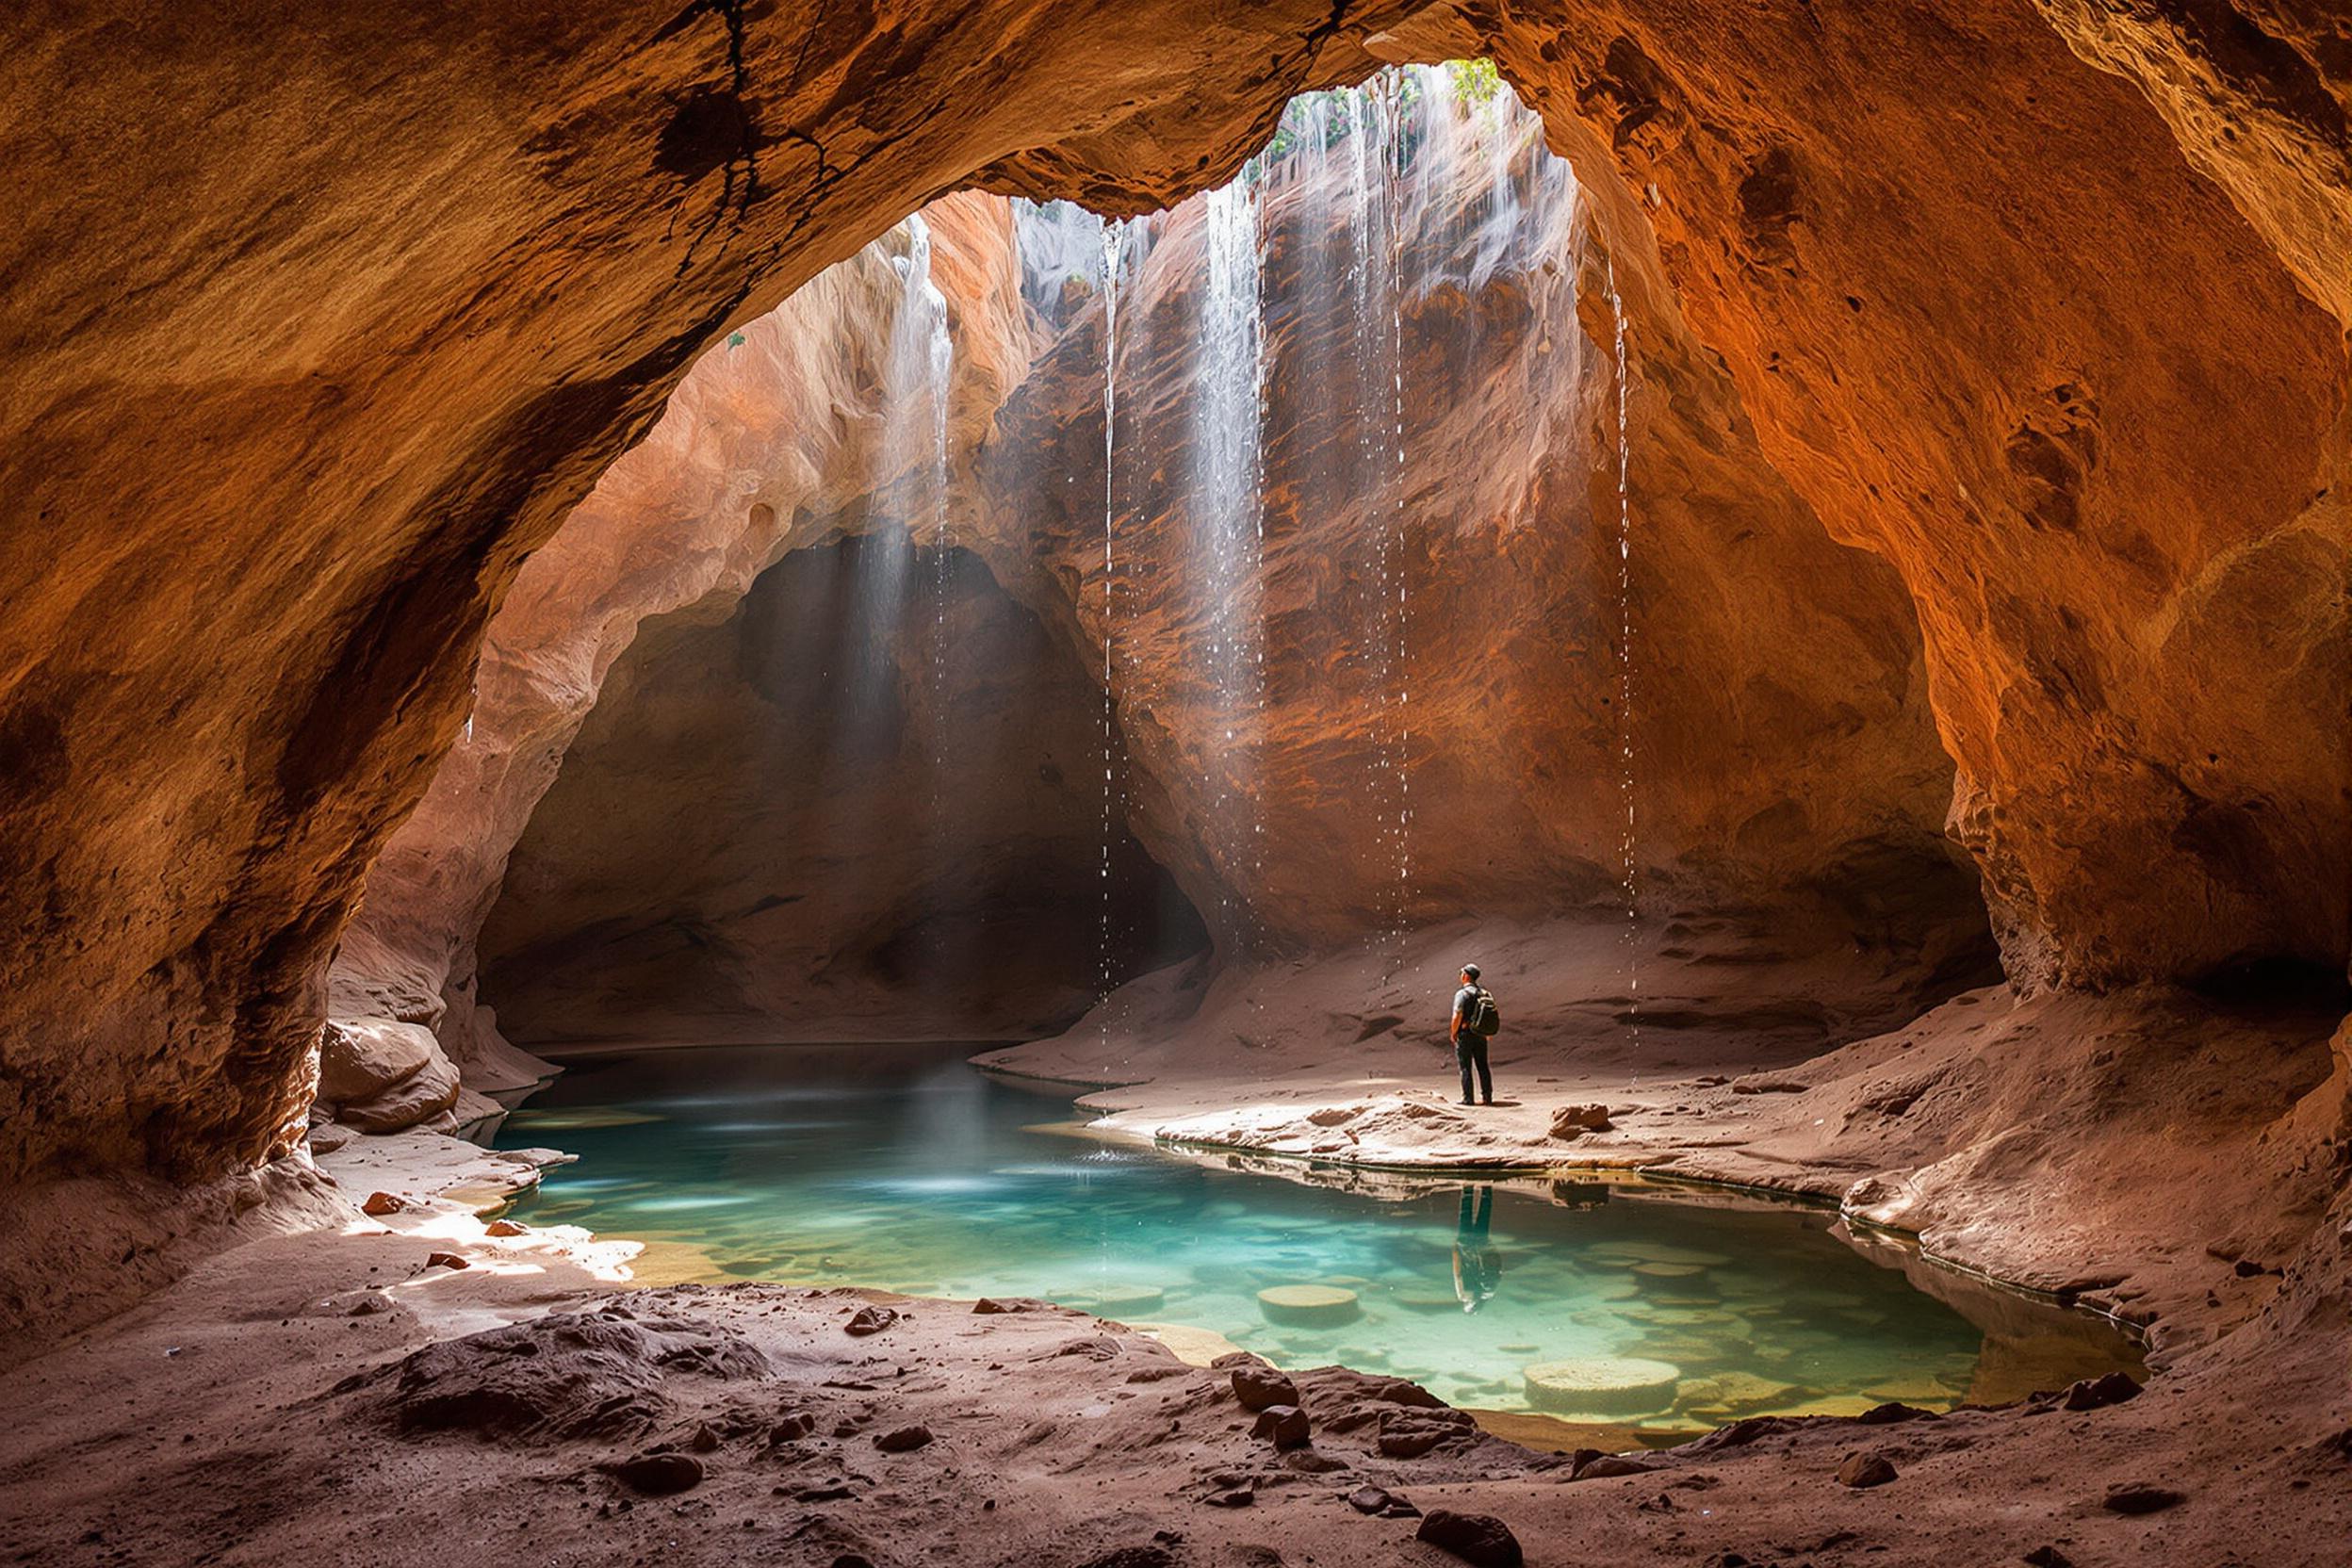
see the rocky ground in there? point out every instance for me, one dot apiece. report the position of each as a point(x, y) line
point(398, 1394)
point(417, 1382)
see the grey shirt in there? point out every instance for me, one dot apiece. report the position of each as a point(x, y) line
point(1465, 999)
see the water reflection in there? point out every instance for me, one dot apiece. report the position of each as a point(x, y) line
point(922, 1175)
point(1478, 1267)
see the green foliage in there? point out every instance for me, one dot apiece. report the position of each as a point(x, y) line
point(1475, 81)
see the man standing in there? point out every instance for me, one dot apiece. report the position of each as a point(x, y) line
point(1475, 1019)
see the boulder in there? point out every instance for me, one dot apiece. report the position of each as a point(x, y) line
point(1866, 1469)
point(869, 1320)
point(1476, 1538)
point(418, 1098)
point(1285, 1426)
point(565, 1376)
point(1571, 1121)
point(1259, 1386)
point(658, 1475)
point(361, 1057)
point(2099, 1393)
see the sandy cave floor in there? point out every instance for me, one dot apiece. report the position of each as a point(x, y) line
point(285, 1403)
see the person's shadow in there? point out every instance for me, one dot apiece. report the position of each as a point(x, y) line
point(1478, 1267)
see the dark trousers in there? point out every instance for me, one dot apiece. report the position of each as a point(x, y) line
point(1470, 1051)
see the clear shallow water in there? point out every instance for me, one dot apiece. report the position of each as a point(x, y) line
point(902, 1168)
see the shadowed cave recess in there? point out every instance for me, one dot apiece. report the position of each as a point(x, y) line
point(1824, 574)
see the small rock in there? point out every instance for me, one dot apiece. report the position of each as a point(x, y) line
point(505, 1227)
point(381, 1203)
point(1231, 1497)
point(1862, 1470)
point(1602, 1467)
point(2137, 1497)
point(1411, 1433)
point(1891, 1413)
point(370, 1303)
point(1571, 1121)
point(658, 1475)
point(990, 1305)
point(1259, 1386)
point(1135, 1556)
point(791, 1428)
point(1380, 1501)
point(704, 1440)
point(870, 1320)
point(853, 1559)
point(901, 1440)
point(1307, 1461)
point(830, 1492)
point(2046, 1557)
point(2099, 1393)
point(1476, 1538)
point(446, 1260)
point(1285, 1426)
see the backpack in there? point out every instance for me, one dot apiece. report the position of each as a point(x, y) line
point(1484, 1019)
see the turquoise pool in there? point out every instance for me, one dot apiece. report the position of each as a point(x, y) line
point(904, 1169)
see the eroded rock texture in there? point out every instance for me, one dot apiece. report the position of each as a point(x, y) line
point(315, 337)
point(1435, 637)
point(785, 424)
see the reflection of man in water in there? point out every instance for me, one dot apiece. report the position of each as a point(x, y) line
point(1478, 1267)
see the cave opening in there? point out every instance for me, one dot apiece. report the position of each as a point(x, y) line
point(1232, 614)
point(1838, 609)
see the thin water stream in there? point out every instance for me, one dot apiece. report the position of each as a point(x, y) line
point(904, 1169)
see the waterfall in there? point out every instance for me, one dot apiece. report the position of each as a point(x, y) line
point(912, 467)
point(1624, 669)
point(1229, 534)
point(1113, 234)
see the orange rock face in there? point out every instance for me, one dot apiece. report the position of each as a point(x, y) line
point(782, 426)
point(1436, 643)
point(312, 343)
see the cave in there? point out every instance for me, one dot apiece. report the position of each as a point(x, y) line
point(763, 771)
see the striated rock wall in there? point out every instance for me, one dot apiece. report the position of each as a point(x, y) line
point(780, 426)
point(1443, 649)
point(314, 336)
point(1994, 325)
point(1389, 699)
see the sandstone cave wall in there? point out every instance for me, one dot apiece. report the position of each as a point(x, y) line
point(786, 422)
point(315, 337)
point(865, 801)
point(1449, 657)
